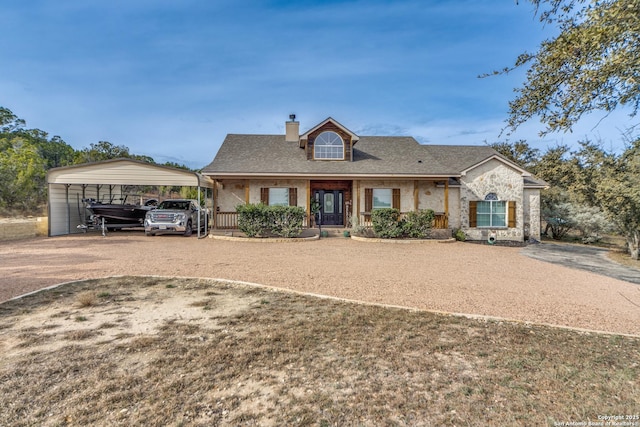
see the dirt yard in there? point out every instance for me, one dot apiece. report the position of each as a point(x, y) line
point(150, 351)
point(479, 280)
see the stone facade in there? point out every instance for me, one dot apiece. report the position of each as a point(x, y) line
point(493, 176)
point(532, 214)
point(232, 193)
point(496, 177)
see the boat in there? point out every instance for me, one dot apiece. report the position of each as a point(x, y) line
point(118, 215)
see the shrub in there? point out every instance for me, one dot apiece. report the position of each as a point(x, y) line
point(459, 235)
point(286, 221)
point(252, 219)
point(386, 223)
point(418, 224)
point(590, 221)
point(259, 219)
point(87, 299)
point(559, 219)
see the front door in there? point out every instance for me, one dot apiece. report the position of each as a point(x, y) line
point(331, 206)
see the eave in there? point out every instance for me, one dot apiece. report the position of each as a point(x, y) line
point(241, 175)
point(522, 172)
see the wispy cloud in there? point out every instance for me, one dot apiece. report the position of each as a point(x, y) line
point(156, 74)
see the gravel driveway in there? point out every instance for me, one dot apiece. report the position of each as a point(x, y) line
point(453, 277)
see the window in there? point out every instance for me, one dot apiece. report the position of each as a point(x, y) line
point(328, 145)
point(378, 198)
point(278, 197)
point(328, 203)
point(382, 198)
point(492, 212)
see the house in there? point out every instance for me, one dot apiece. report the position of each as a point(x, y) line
point(472, 188)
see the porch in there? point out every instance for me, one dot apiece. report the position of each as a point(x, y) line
point(229, 220)
point(339, 200)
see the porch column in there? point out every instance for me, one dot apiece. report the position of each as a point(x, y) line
point(308, 203)
point(356, 185)
point(214, 194)
point(446, 202)
point(416, 195)
point(246, 191)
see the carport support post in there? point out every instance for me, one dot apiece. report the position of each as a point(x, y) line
point(206, 217)
point(66, 190)
point(199, 208)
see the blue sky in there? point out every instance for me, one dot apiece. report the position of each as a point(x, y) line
point(170, 78)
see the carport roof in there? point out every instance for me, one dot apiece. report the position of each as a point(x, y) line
point(126, 172)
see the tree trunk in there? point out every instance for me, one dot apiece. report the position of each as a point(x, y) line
point(633, 244)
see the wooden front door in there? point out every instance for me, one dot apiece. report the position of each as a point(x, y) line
point(331, 206)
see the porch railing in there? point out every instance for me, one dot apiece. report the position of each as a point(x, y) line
point(226, 220)
point(229, 220)
point(440, 221)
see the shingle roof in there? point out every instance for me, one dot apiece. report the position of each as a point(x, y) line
point(382, 156)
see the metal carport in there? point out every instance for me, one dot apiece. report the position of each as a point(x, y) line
point(70, 184)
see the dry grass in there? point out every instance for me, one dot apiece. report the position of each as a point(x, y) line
point(247, 356)
point(623, 258)
point(87, 299)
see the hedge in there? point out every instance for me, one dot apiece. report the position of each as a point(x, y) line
point(386, 223)
point(260, 220)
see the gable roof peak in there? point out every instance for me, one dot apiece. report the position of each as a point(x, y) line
point(330, 119)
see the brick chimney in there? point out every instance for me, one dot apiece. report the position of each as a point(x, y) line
point(292, 129)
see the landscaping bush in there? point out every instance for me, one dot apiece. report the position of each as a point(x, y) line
point(386, 223)
point(259, 219)
point(286, 221)
point(252, 219)
point(459, 235)
point(418, 224)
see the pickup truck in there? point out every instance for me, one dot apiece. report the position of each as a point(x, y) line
point(175, 216)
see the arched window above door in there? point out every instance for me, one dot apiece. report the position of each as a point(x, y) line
point(328, 146)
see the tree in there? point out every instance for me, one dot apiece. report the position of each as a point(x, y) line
point(588, 165)
point(559, 220)
point(555, 167)
point(618, 193)
point(104, 150)
point(591, 221)
point(178, 166)
point(56, 152)
point(9, 122)
point(22, 176)
point(53, 150)
point(592, 64)
point(519, 152)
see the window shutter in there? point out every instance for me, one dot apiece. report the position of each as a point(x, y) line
point(396, 198)
point(293, 196)
point(264, 195)
point(473, 214)
point(368, 199)
point(512, 214)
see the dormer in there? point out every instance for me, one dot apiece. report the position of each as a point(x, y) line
point(329, 141)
